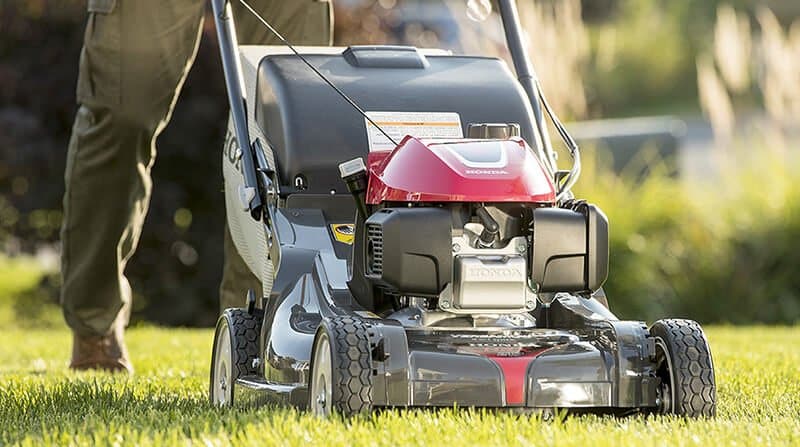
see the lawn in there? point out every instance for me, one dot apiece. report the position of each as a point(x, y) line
point(41, 402)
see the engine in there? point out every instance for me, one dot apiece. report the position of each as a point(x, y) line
point(455, 236)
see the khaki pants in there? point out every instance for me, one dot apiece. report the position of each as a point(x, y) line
point(135, 58)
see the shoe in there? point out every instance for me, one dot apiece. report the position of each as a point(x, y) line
point(105, 352)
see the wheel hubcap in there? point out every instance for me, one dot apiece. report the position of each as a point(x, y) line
point(665, 397)
point(221, 391)
point(321, 384)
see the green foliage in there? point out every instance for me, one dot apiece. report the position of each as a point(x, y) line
point(627, 74)
point(721, 250)
point(644, 55)
point(25, 300)
point(707, 257)
point(41, 403)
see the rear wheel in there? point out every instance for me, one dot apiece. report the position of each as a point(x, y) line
point(235, 348)
point(341, 368)
point(685, 367)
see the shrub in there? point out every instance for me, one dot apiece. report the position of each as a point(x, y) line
point(723, 250)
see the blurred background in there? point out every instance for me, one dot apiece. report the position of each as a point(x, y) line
point(688, 114)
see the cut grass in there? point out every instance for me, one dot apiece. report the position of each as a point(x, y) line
point(41, 402)
point(165, 403)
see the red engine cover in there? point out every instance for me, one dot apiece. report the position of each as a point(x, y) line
point(458, 171)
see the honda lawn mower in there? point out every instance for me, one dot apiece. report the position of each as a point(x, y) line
point(419, 247)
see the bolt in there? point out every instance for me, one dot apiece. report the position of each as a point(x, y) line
point(456, 248)
point(444, 304)
point(521, 248)
point(530, 304)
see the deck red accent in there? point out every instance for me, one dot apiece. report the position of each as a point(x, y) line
point(514, 371)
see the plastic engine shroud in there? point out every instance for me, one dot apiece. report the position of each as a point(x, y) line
point(458, 171)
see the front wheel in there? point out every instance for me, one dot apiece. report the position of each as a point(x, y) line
point(341, 368)
point(235, 348)
point(684, 365)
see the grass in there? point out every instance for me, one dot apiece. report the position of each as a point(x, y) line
point(43, 403)
point(165, 403)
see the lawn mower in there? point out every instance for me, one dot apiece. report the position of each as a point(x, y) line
point(418, 245)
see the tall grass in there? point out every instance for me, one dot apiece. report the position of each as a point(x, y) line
point(758, 70)
point(559, 44)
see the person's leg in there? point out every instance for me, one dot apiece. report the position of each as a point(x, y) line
point(301, 22)
point(135, 57)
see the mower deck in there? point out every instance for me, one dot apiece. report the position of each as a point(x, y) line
point(604, 364)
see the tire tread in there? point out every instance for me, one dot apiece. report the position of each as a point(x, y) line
point(695, 387)
point(352, 364)
point(245, 332)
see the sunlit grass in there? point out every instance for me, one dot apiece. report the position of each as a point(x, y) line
point(41, 402)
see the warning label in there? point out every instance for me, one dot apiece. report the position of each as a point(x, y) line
point(417, 124)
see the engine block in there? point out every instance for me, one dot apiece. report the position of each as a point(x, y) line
point(488, 280)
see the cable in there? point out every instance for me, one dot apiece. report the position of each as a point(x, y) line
point(314, 69)
point(572, 146)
